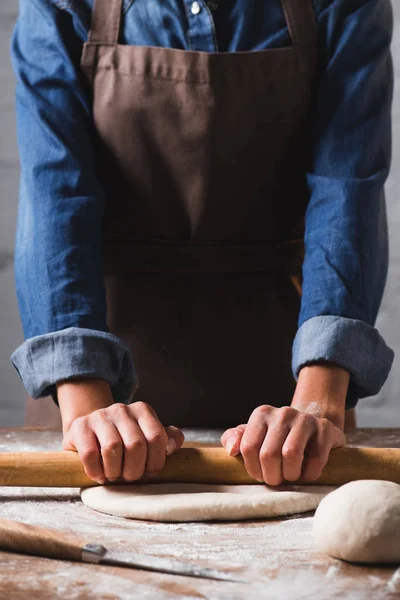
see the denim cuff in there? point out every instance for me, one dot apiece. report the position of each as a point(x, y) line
point(351, 344)
point(44, 360)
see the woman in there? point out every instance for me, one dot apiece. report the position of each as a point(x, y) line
point(174, 156)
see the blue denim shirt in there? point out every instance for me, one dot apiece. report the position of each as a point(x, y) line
point(57, 251)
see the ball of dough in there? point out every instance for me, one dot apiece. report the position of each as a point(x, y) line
point(360, 522)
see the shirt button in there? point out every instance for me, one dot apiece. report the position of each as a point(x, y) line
point(195, 8)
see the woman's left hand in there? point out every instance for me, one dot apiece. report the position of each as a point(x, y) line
point(284, 444)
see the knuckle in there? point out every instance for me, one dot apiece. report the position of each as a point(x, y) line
point(80, 424)
point(290, 453)
point(118, 408)
point(111, 448)
point(286, 410)
point(239, 430)
point(307, 419)
point(140, 404)
point(285, 413)
point(143, 407)
point(247, 448)
point(87, 455)
point(101, 415)
point(263, 410)
point(269, 454)
point(157, 436)
point(135, 445)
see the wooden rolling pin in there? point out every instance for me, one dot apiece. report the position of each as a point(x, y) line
point(199, 465)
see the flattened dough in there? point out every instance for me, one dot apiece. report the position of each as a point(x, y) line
point(360, 522)
point(200, 502)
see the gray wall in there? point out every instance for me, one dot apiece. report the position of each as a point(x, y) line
point(12, 394)
point(381, 410)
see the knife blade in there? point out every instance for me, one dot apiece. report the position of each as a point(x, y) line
point(98, 554)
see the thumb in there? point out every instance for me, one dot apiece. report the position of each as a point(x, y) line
point(339, 438)
point(232, 438)
point(68, 443)
point(175, 439)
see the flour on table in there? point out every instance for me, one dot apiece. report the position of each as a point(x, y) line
point(201, 502)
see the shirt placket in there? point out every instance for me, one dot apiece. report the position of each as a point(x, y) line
point(201, 28)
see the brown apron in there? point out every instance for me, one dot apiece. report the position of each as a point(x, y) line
point(203, 159)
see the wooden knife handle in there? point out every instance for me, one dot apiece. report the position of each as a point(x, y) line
point(198, 465)
point(39, 541)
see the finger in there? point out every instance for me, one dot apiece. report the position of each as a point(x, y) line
point(252, 440)
point(111, 446)
point(318, 450)
point(85, 442)
point(232, 438)
point(156, 438)
point(339, 438)
point(270, 455)
point(175, 439)
point(68, 443)
point(294, 447)
point(135, 448)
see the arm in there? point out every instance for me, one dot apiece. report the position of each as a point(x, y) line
point(346, 259)
point(338, 355)
point(68, 351)
point(58, 274)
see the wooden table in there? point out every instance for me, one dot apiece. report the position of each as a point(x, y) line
point(278, 556)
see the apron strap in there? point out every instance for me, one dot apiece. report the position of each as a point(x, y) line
point(301, 22)
point(106, 19)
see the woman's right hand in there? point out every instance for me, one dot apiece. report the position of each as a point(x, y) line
point(113, 440)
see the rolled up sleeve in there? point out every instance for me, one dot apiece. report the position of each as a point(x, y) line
point(351, 344)
point(44, 360)
point(58, 273)
point(346, 239)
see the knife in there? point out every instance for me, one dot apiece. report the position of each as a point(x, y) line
point(51, 543)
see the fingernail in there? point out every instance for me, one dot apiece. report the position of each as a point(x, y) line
point(171, 446)
point(229, 445)
point(101, 481)
point(151, 475)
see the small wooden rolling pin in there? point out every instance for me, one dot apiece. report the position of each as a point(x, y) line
point(199, 465)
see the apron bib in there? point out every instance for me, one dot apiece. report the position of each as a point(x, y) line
point(203, 159)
